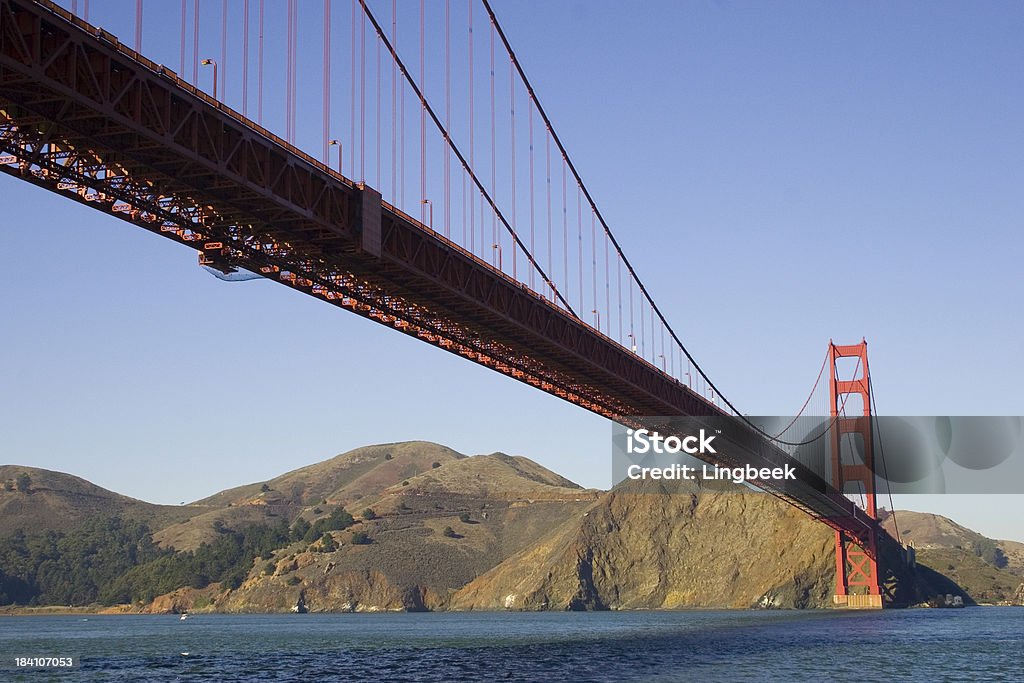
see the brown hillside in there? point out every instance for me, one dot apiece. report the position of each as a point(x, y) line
point(57, 501)
point(930, 531)
point(346, 480)
point(495, 506)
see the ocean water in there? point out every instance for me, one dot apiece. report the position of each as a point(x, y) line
point(984, 644)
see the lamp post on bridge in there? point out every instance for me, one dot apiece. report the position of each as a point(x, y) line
point(213, 63)
point(430, 205)
point(632, 340)
point(497, 247)
point(336, 143)
point(597, 316)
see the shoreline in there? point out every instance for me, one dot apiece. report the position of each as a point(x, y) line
point(97, 610)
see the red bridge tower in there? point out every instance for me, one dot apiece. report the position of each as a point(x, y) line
point(857, 581)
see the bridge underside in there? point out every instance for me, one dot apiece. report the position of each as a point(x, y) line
point(87, 118)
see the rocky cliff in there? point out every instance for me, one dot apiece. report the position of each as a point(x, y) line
point(626, 549)
point(656, 549)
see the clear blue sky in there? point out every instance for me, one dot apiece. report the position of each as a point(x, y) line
point(780, 174)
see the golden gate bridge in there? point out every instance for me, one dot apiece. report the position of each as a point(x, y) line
point(436, 199)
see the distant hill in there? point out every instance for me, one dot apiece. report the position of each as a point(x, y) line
point(417, 525)
point(431, 533)
point(989, 570)
point(927, 531)
point(348, 480)
point(54, 500)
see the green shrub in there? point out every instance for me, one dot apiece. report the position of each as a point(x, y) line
point(234, 579)
point(327, 543)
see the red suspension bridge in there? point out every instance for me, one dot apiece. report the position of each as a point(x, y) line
point(435, 198)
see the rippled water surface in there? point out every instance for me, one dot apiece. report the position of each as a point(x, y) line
point(910, 645)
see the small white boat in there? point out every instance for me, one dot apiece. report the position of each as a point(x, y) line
point(183, 617)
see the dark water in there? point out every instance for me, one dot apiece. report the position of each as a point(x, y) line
point(985, 644)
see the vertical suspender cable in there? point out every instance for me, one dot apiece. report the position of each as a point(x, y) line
point(565, 234)
point(352, 98)
point(288, 72)
point(447, 116)
point(423, 113)
point(245, 60)
point(362, 98)
point(633, 339)
point(643, 331)
point(295, 67)
point(379, 169)
point(222, 87)
point(579, 244)
point(394, 104)
point(654, 349)
point(512, 175)
point(327, 82)
point(472, 127)
point(533, 228)
point(138, 26)
point(195, 42)
point(593, 267)
point(494, 163)
point(618, 278)
point(259, 68)
point(184, 20)
point(401, 127)
point(547, 175)
point(607, 292)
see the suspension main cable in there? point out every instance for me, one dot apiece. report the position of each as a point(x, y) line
point(881, 454)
